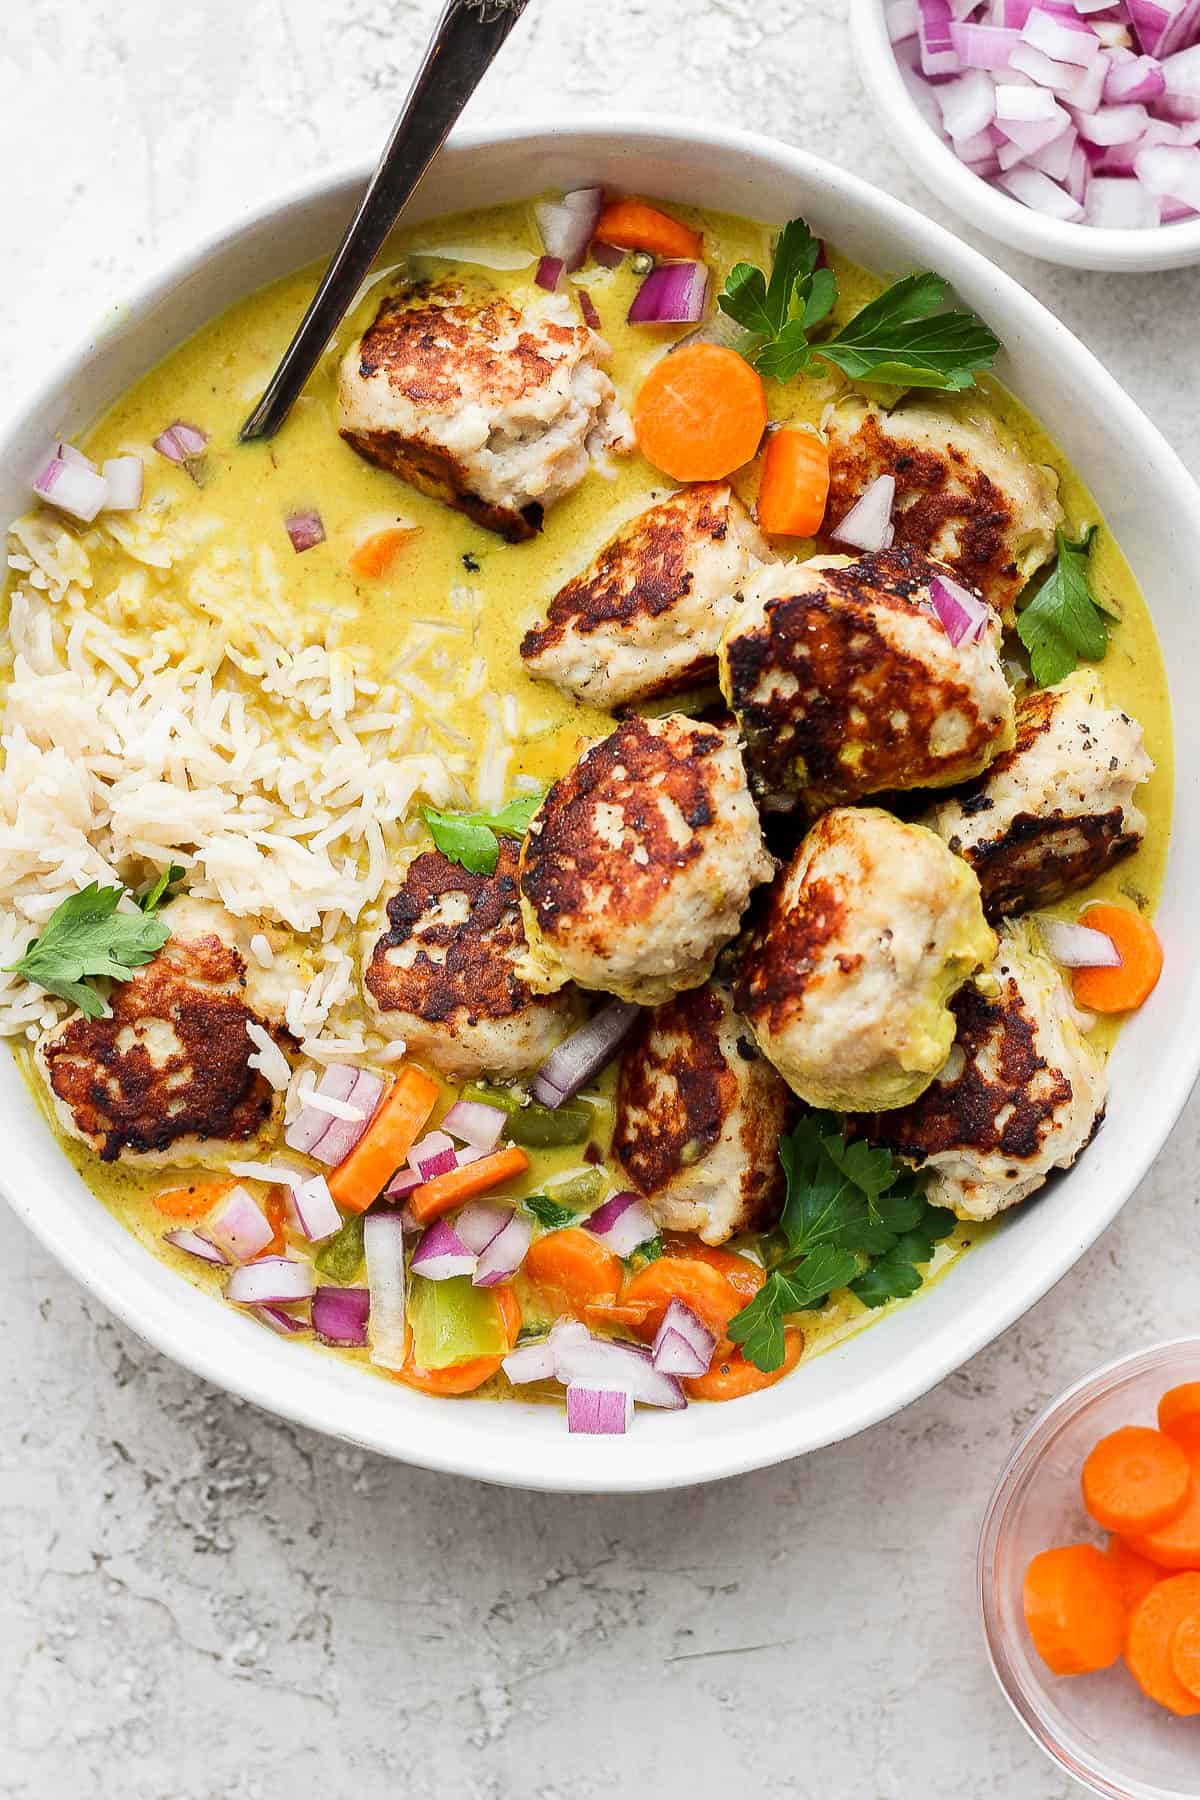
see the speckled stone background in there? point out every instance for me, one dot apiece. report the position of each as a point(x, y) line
point(199, 1602)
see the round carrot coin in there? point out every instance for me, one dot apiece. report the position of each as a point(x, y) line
point(1135, 1480)
point(744, 1277)
point(572, 1270)
point(1175, 1545)
point(1179, 1415)
point(696, 1284)
point(1122, 989)
point(1135, 1574)
point(1073, 1609)
point(731, 1376)
point(1150, 1640)
point(700, 413)
point(1185, 1653)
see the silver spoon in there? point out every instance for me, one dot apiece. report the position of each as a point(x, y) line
point(461, 50)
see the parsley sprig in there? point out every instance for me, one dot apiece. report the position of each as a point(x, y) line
point(853, 1218)
point(902, 339)
point(1065, 618)
point(87, 937)
point(471, 839)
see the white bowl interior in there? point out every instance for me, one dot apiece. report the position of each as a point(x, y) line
point(1154, 509)
point(1173, 246)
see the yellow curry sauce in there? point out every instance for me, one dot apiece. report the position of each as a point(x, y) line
point(215, 378)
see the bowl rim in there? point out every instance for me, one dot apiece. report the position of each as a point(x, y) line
point(764, 1442)
point(1076, 245)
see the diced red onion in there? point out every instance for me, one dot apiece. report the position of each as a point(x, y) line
point(195, 1245)
point(598, 1411)
point(1065, 39)
point(182, 444)
point(573, 1063)
point(587, 307)
point(276, 1319)
point(403, 1182)
point(968, 104)
point(1045, 196)
point(125, 476)
point(272, 1281)
point(674, 293)
point(1113, 124)
point(341, 1135)
point(1184, 28)
point(339, 1314)
point(980, 149)
point(316, 1212)
point(866, 524)
point(1171, 173)
point(480, 1222)
point(1181, 81)
point(306, 530)
point(1077, 946)
point(1027, 106)
point(70, 487)
point(1139, 79)
point(603, 1360)
point(505, 1254)
point(609, 256)
point(441, 1254)
point(568, 225)
point(1151, 22)
point(1079, 175)
point(383, 1243)
point(311, 1123)
point(474, 1122)
point(238, 1226)
point(550, 271)
point(683, 1344)
point(1055, 158)
point(1027, 141)
point(938, 55)
point(434, 1155)
point(530, 1362)
point(622, 1223)
point(1122, 203)
point(964, 616)
point(70, 453)
point(984, 46)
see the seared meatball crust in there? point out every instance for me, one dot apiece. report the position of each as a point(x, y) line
point(1057, 810)
point(645, 618)
point(637, 869)
point(845, 684)
point(443, 976)
point(1022, 1092)
point(699, 1115)
point(963, 495)
point(166, 1079)
point(489, 407)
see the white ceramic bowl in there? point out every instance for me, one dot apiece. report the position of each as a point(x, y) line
point(926, 152)
point(1154, 508)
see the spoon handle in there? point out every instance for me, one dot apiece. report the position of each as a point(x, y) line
point(461, 50)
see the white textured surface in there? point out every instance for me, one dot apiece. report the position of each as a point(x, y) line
point(199, 1602)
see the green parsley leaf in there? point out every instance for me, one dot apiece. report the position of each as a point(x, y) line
point(895, 1275)
point(1064, 620)
point(549, 1213)
point(151, 898)
point(470, 838)
point(903, 340)
point(85, 937)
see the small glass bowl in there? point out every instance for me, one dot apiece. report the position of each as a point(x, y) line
point(1100, 1728)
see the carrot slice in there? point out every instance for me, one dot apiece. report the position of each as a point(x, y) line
point(1148, 1643)
point(1185, 1654)
point(600, 1314)
point(635, 225)
point(191, 1202)
point(574, 1271)
point(275, 1207)
point(1179, 1415)
point(464, 1377)
point(731, 1376)
point(794, 485)
point(1135, 1575)
point(1135, 1480)
point(700, 413)
point(744, 1277)
point(1073, 1609)
point(393, 1131)
point(437, 1197)
point(1175, 1545)
point(1120, 990)
point(709, 1294)
point(376, 554)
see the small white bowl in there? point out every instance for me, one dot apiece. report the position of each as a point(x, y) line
point(1174, 246)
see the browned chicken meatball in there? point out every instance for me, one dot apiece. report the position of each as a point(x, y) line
point(443, 977)
point(699, 1114)
point(494, 408)
point(845, 683)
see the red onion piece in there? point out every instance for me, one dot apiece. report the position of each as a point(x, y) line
point(587, 307)
point(480, 1222)
point(1077, 946)
point(195, 1245)
point(383, 1243)
point(306, 530)
point(683, 1344)
point(441, 1254)
point(622, 1223)
point(183, 444)
point(598, 1411)
point(505, 1254)
point(605, 1361)
point(339, 1315)
point(609, 256)
point(70, 487)
point(474, 1122)
point(341, 1135)
point(672, 294)
point(1121, 204)
point(1045, 196)
point(402, 1183)
point(550, 272)
point(1065, 39)
point(530, 1362)
point(964, 616)
point(126, 476)
point(1181, 80)
point(938, 55)
point(434, 1155)
point(272, 1281)
point(1171, 173)
point(238, 1226)
point(573, 1063)
point(69, 453)
point(1113, 125)
point(316, 1213)
point(276, 1319)
point(968, 104)
point(567, 225)
point(311, 1122)
point(987, 47)
point(866, 524)
point(1139, 79)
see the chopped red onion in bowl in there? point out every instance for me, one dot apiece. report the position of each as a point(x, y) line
point(195, 1245)
point(505, 1254)
point(314, 1209)
point(474, 1122)
point(964, 616)
point(125, 476)
point(71, 484)
point(622, 1223)
point(480, 1222)
point(530, 1362)
point(567, 225)
point(277, 1319)
point(273, 1280)
point(869, 520)
point(435, 1155)
point(441, 1254)
point(683, 1344)
point(550, 271)
point(1077, 946)
point(340, 1314)
point(305, 529)
point(590, 1048)
point(598, 1411)
point(238, 1226)
point(674, 293)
